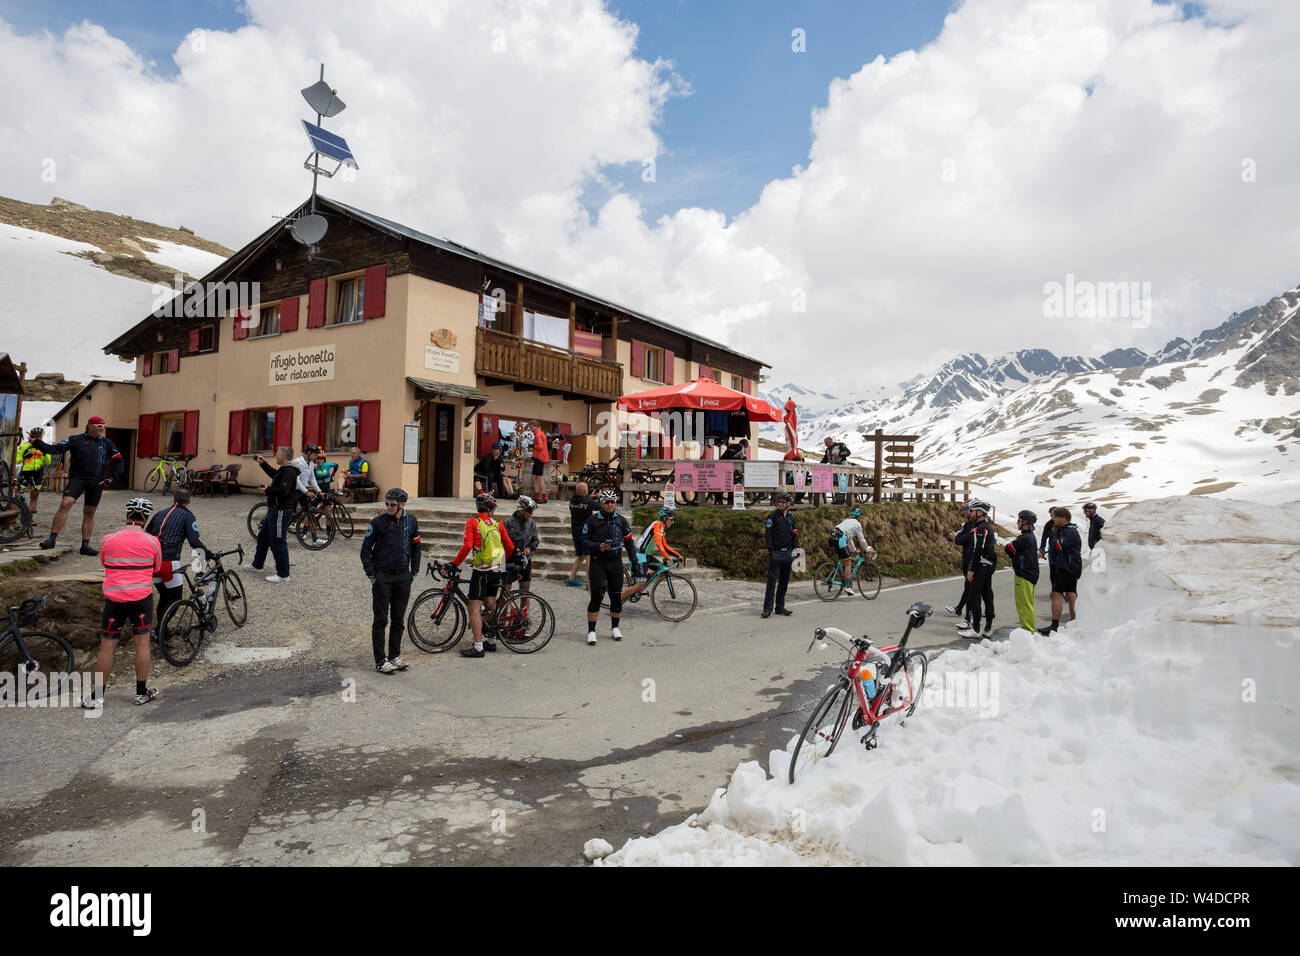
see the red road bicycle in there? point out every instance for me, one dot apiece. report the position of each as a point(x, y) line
point(521, 620)
point(873, 684)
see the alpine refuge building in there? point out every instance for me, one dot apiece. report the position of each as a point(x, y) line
point(420, 352)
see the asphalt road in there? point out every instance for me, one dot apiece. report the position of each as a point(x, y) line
point(284, 746)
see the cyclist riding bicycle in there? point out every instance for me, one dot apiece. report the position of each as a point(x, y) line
point(653, 536)
point(845, 539)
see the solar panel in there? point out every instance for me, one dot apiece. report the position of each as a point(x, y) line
point(327, 144)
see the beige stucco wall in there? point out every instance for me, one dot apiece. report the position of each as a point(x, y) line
point(117, 403)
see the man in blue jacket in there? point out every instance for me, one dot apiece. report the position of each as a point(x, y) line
point(390, 555)
point(782, 537)
point(1095, 523)
point(1065, 557)
point(92, 457)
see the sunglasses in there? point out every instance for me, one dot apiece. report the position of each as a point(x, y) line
point(391, 504)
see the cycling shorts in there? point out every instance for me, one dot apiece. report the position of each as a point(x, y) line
point(839, 545)
point(1063, 582)
point(31, 479)
point(539, 467)
point(90, 487)
point(117, 614)
point(484, 584)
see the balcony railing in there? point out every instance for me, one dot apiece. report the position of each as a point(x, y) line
point(514, 359)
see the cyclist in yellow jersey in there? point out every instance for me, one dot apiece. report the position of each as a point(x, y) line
point(34, 462)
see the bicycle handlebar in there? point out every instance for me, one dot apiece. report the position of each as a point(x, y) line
point(30, 608)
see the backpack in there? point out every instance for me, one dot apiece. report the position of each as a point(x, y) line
point(490, 551)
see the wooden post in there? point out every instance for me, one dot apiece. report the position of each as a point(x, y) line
point(573, 319)
point(613, 339)
point(519, 309)
point(880, 464)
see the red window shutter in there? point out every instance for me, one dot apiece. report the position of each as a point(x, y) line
point(375, 299)
point(194, 340)
point(148, 364)
point(747, 386)
point(565, 429)
point(190, 437)
point(146, 441)
point(284, 426)
point(668, 367)
point(368, 427)
point(289, 315)
point(706, 372)
point(638, 358)
point(235, 441)
point(174, 360)
point(487, 434)
point(665, 446)
point(316, 303)
point(313, 426)
point(239, 320)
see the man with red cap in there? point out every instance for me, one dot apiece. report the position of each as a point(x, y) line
point(93, 456)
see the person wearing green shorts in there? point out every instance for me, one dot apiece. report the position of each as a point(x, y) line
point(1024, 560)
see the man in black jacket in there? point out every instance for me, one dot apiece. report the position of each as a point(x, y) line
point(281, 497)
point(390, 555)
point(92, 456)
point(173, 528)
point(962, 540)
point(1065, 554)
point(604, 534)
point(782, 536)
point(523, 534)
point(1095, 524)
point(580, 508)
point(979, 566)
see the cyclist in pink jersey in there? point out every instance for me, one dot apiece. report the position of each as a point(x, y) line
point(131, 558)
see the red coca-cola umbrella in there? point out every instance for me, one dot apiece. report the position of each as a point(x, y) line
point(702, 394)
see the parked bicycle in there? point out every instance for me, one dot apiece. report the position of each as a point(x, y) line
point(872, 685)
point(168, 472)
point(864, 575)
point(521, 620)
point(15, 515)
point(673, 596)
point(186, 623)
point(39, 662)
point(314, 528)
point(332, 501)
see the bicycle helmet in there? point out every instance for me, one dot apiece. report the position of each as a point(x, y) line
point(1088, 507)
point(855, 513)
point(396, 494)
point(485, 503)
point(667, 513)
point(311, 449)
point(139, 509)
point(608, 495)
point(38, 430)
point(785, 496)
point(981, 506)
point(526, 504)
point(1028, 516)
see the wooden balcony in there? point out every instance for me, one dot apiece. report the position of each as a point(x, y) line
point(523, 362)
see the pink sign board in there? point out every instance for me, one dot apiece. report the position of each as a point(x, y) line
point(704, 475)
point(822, 478)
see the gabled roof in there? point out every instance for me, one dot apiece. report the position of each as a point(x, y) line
point(87, 387)
point(398, 230)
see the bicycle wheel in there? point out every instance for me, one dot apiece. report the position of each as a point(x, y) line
point(185, 479)
point(525, 622)
point(15, 519)
point(320, 538)
point(822, 731)
point(236, 598)
point(342, 518)
point(910, 682)
point(43, 670)
point(867, 580)
point(435, 624)
point(180, 634)
point(155, 478)
point(673, 597)
point(828, 581)
point(256, 515)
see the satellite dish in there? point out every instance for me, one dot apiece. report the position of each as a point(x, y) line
point(322, 99)
point(309, 230)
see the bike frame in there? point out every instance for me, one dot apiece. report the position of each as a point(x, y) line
point(859, 560)
point(872, 713)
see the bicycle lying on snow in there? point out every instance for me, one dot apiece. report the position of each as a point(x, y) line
point(872, 685)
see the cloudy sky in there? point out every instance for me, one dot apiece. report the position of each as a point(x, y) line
point(852, 192)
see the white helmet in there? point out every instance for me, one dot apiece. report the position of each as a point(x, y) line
point(139, 509)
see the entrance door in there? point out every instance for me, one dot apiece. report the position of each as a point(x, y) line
point(437, 449)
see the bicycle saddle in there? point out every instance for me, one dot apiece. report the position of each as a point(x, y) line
point(919, 610)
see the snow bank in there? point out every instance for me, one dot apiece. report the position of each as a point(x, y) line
point(1158, 729)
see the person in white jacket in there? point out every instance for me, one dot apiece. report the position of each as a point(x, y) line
point(846, 540)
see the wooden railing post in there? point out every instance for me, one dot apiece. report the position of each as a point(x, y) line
point(880, 463)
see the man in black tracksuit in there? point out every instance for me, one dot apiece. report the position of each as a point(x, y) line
point(1095, 523)
point(979, 568)
point(92, 456)
point(523, 535)
point(782, 536)
point(963, 540)
point(1065, 559)
point(390, 555)
point(172, 528)
point(603, 535)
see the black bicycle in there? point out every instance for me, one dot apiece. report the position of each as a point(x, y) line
point(39, 661)
point(521, 620)
point(186, 623)
point(15, 515)
point(314, 528)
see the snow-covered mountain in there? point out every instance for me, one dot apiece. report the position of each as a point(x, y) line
point(1218, 413)
point(73, 278)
